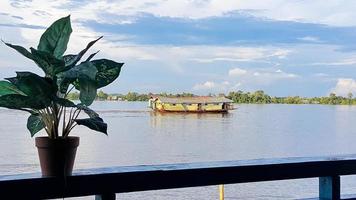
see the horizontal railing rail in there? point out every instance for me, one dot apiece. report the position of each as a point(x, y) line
point(106, 182)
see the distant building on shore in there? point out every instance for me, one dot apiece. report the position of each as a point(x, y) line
point(114, 98)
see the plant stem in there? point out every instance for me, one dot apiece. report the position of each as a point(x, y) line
point(71, 129)
point(77, 114)
point(69, 91)
point(49, 124)
point(55, 119)
point(64, 121)
point(69, 123)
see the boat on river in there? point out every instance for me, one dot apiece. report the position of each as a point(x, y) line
point(196, 104)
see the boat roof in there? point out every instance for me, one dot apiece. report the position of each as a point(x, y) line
point(198, 99)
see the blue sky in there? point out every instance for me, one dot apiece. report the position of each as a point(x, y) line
point(295, 47)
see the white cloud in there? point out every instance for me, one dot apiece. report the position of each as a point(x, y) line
point(253, 78)
point(280, 53)
point(309, 39)
point(208, 85)
point(237, 72)
point(216, 87)
point(337, 13)
point(241, 54)
point(256, 73)
point(279, 74)
point(226, 83)
point(174, 58)
point(211, 86)
point(321, 75)
point(257, 78)
point(236, 87)
point(348, 61)
point(344, 86)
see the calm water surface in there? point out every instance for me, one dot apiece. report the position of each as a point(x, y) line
point(138, 136)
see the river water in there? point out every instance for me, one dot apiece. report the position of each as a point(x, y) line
point(138, 136)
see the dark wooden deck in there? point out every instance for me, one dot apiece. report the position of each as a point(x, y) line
point(105, 182)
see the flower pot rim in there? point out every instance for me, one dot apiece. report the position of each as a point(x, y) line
point(67, 142)
point(59, 138)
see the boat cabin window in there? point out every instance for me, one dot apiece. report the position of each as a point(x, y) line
point(173, 104)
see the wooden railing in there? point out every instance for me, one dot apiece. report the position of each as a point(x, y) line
point(106, 182)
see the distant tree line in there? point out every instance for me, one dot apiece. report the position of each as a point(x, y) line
point(257, 97)
point(101, 96)
point(130, 96)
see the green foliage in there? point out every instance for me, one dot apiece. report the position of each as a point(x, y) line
point(48, 98)
point(87, 88)
point(108, 71)
point(9, 88)
point(261, 97)
point(96, 124)
point(91, 113)
point(55, 39)
point(64, 102)
point(21, 102)
point(71, 60)
point(33, 85)
point(102, 95)
point(47, 62)
point(35, 124)
point(73, 96)
point(134, 96)
point(258, 97)
point(21, 50)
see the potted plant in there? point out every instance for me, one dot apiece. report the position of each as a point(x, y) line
point(44, 97)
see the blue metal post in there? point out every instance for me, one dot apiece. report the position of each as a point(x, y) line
point(329, 188)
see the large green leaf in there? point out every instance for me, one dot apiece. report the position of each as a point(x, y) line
point(96, 124)
point(86, 70)
point(87, 88)
point(72, 60)
point(91, 56)
point(55, 39)
point(17, 101)
point(64, 102)
point(9, 88)
point(47, 62)
point(91, 113)
point(33, 85)
point(69, 60)
point(108, 71)
point(21, 50)
point(35, 124)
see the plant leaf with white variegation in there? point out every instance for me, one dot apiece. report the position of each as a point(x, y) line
point(108, 71)
point(35, 124)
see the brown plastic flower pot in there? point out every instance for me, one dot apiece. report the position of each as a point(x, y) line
point(57, 155)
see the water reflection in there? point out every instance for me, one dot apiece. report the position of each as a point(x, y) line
point(167, 119)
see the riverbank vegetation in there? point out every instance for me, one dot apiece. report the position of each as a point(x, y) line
point(257, 97)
